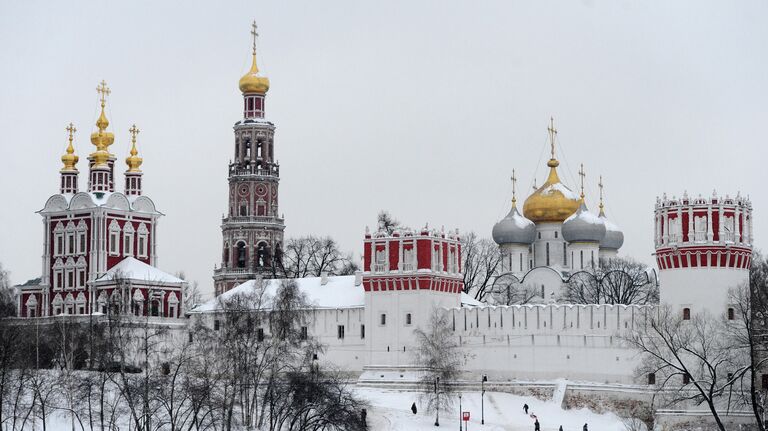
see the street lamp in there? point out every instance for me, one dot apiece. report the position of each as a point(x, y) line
point(482, 399)
point(437, 396)
point(460, 413)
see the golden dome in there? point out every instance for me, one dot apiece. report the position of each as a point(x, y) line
point(102, 139)
point(553, 201)
point(70, 158)
point(251, 82)
point(134, 161)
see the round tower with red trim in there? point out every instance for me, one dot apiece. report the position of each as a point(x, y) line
point(703, 249)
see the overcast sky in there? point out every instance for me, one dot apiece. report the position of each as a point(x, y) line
point(422, 108)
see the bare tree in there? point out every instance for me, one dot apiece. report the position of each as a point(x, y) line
point(689, 360)
point(438, 354)
point(613, 281)
point(748, 331)
point(507, 289)
point(481, 262)
point(311, 256)
point(387, 223)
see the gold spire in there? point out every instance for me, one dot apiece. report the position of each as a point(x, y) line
point(251, 82)
point(70, 158)
point(102, 139)
point(134, 161)
point(582, 174)
point(600, 186)
point(514, 184)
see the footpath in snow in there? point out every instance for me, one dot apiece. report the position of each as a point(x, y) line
point(391, 410)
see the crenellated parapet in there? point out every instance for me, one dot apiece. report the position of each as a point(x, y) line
point(408, 259)
point(703, 232)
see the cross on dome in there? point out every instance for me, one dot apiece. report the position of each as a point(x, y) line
point(552, 135)
point(600, 186)
point(514, 184)
point(103, 91)
point(582, 174)
point(255, 34)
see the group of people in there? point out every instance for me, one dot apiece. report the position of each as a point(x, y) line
point(537, 426)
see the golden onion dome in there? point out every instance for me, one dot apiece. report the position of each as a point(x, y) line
point(553, 201)
point(251, 82)
point(134, 161)
point(70, 158)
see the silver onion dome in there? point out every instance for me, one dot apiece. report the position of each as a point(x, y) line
point(614, 237)
point(514, 229)
point(583, 226)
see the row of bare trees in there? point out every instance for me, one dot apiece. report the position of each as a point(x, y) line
point(246, 365)
point(719, 362)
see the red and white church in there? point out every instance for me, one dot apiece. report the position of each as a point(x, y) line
point(100, 245)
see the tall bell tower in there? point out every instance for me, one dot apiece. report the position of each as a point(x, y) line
point(252, 230)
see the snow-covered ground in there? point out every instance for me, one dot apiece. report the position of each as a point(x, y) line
point(391, 410)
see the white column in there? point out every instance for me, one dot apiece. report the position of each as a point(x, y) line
point(665, 224)
point(736, 227)
point(690, 223)
point(710, 234)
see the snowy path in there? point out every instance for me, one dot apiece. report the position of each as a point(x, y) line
point(390, 410)
point(559, 394)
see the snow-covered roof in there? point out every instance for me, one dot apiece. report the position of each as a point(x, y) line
point(338, 292)
point(134, 269)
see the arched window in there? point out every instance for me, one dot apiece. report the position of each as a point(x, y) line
point(226, 255)
point(155, 308)
point(243, 208)
point(565, 255)
point(731, 314)
point(651, 378)
point(686, 313)
point(241, 255)
point(547, 254)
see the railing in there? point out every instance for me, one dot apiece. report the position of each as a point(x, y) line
point(729, 236)
point(233, 271)
point(380, 267)
point(236, 169)
point(408, 266)
point(252, 219)
point(699, 236)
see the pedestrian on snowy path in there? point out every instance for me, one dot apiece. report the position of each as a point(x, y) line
point(536, 426)
point(585, 427)
point(561, 428)
point(413, 408)
point(525, 408)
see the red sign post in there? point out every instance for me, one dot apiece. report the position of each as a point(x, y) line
point(465, 416)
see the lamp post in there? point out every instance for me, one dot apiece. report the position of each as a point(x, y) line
point(437, 396)
point(482, 399)
point(460, 413)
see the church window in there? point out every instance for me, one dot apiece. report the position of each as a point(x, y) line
point(521, 262)
point(82, 242)
point(70, 243)
point(70, 279)
point(542, 291)
point(261, 208)
point(58, 248)
point(555, 234)
point(340, 332)
point(539, 235)
point(80, 278)
point(565, 255)
point(303, 334)
point(155, 308)
point(686, 378)
point(407, 318)
point(128, 244)
point(142, 246)
point(651, 378)
point(260, 335)
point(593, 259)
point(189, 337)
point(362, 332)
point(764, 381)
point(581, 255)
point(686, 313)
point(241, 255)
point(547, 247)
point(731, 313)
point(383, 320)
point(216, 325)
point(243, 209)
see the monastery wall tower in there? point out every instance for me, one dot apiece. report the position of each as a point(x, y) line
point(252, 231)
point(703, 249)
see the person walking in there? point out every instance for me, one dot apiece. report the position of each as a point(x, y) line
point(585, 428)
point(525, 408)
point(561, 428)
point(413, 408)
point(536, 426)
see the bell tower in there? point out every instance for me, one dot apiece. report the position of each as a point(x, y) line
point(252, 230)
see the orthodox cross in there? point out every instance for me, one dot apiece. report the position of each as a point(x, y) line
point(254, 34)
point(514, 183)
point(71, 129)
point(103, 91)
point(600, 186)
point(552, 134)
point(134, 131)
point(582, 175)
